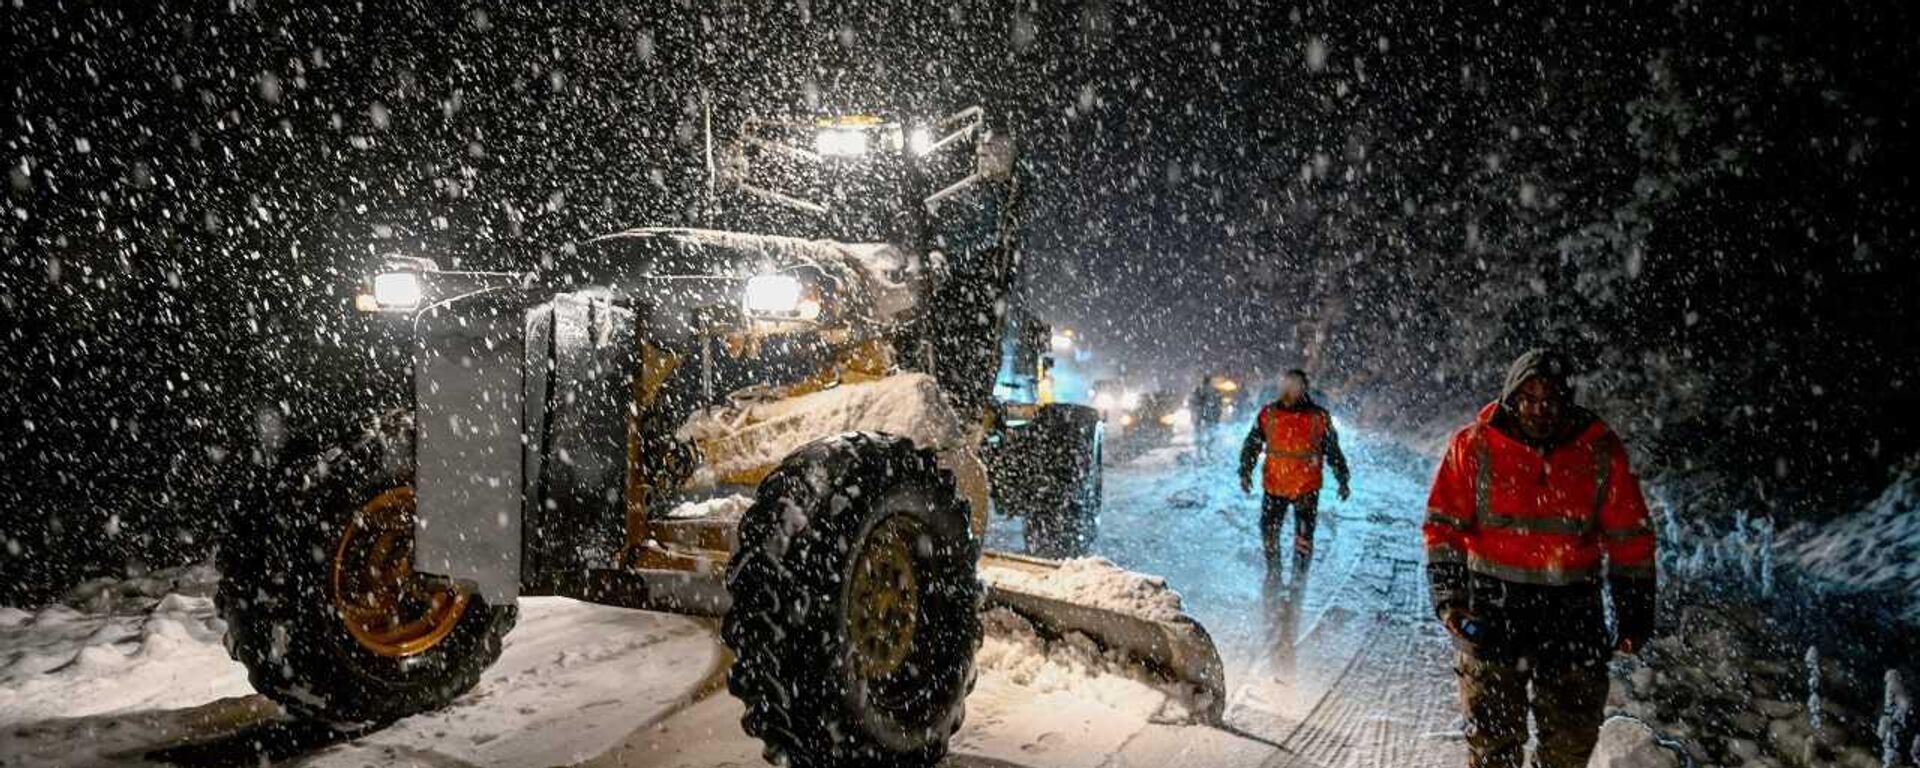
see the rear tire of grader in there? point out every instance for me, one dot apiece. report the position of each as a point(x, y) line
point(321, 602)
point(856, 604)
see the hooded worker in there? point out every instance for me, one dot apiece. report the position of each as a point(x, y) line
point(1533, 509)
point(1295, 437)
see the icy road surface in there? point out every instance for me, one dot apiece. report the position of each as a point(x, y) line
point(1341, 669)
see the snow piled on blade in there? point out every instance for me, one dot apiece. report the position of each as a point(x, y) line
point(1076, 665)
point(1097, 582)
point(1876, 549)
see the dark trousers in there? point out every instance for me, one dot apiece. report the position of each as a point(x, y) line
point(1568, 702)
point(1273, 515)
point(1541, 651)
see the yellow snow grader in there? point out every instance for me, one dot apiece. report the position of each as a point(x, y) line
point(786, 432)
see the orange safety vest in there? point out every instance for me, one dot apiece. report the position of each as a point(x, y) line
point(1294, 440)
point(1508, 511)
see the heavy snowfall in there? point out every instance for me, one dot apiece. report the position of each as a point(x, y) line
point(822, 382)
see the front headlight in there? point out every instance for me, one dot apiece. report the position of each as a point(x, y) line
point(774, 296)
point(391, 292)
point(919, 140)
point(397, 290)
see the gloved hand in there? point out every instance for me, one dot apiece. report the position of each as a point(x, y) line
point(1633, 612)
point(1246, 485)
point(1346, 491)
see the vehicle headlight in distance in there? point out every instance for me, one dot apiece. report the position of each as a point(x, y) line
point(773, 295)
point(397, 290)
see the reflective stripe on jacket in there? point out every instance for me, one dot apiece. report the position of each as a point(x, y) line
point(1506, 510)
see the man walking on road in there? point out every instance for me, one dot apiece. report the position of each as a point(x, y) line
point(1205, 406)
point(1297, 438)
point(1533, 505)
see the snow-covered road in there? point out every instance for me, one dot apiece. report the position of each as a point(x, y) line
point(1342, 669)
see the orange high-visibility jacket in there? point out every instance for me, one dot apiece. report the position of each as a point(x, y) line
point(1508, 511)
point(1297, 443)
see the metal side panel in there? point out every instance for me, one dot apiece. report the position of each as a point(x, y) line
point(534, 566)
point(468, 396)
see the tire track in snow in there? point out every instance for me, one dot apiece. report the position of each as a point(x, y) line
point(1375, 690)
point(1375, 714)
point(1327, 732)
point(1282, 650)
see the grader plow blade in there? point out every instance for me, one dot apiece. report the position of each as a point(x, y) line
point(1061, 599)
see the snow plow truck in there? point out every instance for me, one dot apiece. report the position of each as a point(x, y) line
point(783, 432)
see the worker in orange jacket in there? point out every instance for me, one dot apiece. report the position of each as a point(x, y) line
point(1533, 507)
point(1296, 438)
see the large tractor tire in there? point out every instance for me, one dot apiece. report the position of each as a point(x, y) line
point(856, 602)
point(1062, 494)
point(321, 602)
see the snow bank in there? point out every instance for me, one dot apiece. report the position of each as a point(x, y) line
point(1874, 550)
point(147, 641)
point(1097, 582)
point(1724, 686)
point(747, 434)
point(102, 594)
point(1629, 743)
